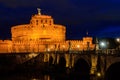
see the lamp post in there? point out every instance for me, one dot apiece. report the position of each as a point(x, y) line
point(103, 46)
point(118, 41)
point(98, 73)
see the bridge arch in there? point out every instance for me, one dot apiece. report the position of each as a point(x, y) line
point(81, 70)
point(62, 61)
point(111, 60)
point(86, 58)
point(82, 65)
point(51, 60)
point(113, 71)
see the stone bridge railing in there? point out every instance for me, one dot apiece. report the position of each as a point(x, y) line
point(108, 51)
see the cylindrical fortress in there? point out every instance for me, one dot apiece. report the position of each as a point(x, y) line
point(41, 28)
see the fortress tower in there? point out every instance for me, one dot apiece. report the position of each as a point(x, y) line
point(41, 27)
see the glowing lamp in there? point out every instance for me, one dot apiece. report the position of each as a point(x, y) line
point(118, 40)
point(78, 46)
point(98, 74)
point(103, 44)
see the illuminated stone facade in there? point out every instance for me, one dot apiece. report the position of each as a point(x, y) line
point(40, 35)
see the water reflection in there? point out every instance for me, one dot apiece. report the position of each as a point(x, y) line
point(46, 77)
point(34, 79)
point(41, 77)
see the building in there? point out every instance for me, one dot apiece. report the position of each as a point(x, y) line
point(40, 35)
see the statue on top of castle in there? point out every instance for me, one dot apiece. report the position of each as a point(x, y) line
point(39, 11)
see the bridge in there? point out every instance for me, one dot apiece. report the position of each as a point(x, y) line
point(98, 61)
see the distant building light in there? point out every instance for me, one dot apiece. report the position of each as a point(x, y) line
point(118, 40)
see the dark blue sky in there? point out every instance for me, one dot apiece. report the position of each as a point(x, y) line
point(79, 16)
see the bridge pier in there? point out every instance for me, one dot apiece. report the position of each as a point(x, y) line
point(93, 64)
point(69, 60)
point(67, 57)
point(46, 57)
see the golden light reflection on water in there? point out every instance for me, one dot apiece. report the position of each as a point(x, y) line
point(46, 77)
point(34, 79)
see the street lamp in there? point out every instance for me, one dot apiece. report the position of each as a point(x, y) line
point(118, 41)
point(103, 44)
point(98, 74)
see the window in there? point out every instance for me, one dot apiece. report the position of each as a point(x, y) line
point(50, 22)
point(41, 21)
point(45, 21)
point(36, 22)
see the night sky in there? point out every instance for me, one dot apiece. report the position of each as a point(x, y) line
point(79, 16)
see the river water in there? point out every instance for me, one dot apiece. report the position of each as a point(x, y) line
point(43, 76)
point(40, 77)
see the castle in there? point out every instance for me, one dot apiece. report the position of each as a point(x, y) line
point(40, 35)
